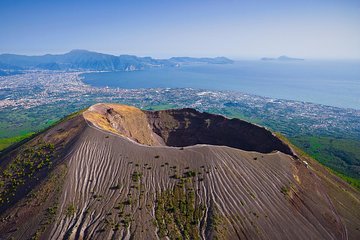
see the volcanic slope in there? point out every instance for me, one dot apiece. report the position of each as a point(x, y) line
point(117, 172)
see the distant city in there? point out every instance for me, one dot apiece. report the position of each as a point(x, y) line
point(36, 89)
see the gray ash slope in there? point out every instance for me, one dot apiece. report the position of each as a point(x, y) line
point(119, 172)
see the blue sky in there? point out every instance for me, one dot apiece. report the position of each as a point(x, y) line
point(238, 29)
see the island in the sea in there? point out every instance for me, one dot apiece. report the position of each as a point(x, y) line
point(282, 58)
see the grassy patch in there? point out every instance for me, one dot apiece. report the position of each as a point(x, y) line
point(18, 125)
point(189, 174)
point(136, 176)
point(177, 212)
point(341, 155)
point(5, 142)
point(70, 210)
point(19, 121)
point(352, 181)
point(23, 167)
point(285, 190)
point(323, 150)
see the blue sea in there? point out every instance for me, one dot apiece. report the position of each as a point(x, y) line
point(334, 83)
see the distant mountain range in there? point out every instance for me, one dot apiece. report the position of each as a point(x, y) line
point(282, 58)
point(87, 60)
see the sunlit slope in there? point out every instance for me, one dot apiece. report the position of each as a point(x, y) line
point(113, 176)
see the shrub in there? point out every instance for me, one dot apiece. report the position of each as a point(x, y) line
point(70, 210)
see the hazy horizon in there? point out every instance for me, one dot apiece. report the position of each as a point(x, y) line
point(161, 29)
point(235, 58)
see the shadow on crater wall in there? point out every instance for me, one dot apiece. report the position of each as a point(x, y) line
point(186, 127)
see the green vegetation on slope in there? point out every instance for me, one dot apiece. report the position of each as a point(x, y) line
point(5, 142)
point(18, 122)
point(339, 154)
point(351, 180)
point(177, 212)
point(27, 162)
point(25, 133)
